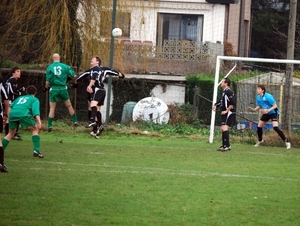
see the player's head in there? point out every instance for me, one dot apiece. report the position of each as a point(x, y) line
point(56, 57)
point(96, 61)
point(225, 82)
point(261, 89)
point(16, 72)
point(31, 90)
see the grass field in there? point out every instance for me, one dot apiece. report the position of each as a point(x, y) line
point(139, 180)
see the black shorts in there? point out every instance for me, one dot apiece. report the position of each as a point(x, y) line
point(1, 124)
point(89, 96)
point(228, 119)
point(267, 117)
point(99, 96)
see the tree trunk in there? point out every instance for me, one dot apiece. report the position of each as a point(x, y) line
point(288, 89)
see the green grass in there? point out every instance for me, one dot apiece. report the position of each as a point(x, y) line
point(139, 180)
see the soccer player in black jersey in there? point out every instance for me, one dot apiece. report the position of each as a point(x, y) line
point(95, 68)
point(96, 92)
point(13, 91)
point(227, 105)
point(3, 118)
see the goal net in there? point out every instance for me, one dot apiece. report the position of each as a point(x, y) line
point(244, 88)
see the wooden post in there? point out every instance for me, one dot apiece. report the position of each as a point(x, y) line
point(195, 101)
point(288, 88)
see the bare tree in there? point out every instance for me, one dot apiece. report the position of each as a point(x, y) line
point(33, 30)
point(282, 36)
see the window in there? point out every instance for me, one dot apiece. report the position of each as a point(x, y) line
point(123, 22)
point(179, 27)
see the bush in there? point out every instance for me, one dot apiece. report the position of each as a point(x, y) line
point(9, 64)
point(182, 114)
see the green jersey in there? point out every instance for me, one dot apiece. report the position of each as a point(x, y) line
point(57, 74)
point(27, 105)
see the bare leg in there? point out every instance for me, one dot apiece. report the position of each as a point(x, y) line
point(69, 107)
point(71, 112)
point(51, 115)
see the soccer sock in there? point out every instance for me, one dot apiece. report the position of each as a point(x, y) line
point(99, 117)
point(5, 143)
point(280, 133)
point(259, 133)
point(1, 156)
point(89, 114)
point(36, 143)
point(225, 137)
point(50, 120)
point(95, 129)
point(74, 118)
point(93, 114)
point(17, 129)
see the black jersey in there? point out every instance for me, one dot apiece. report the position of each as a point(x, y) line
point(100, 77)
point(88, 73)
point(12, 88)
point(226, 100)
point(3, 95)
point(97, 73)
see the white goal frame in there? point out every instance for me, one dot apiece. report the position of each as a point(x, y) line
point(217, 83)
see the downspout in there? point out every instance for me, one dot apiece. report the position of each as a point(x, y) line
point(240, 29)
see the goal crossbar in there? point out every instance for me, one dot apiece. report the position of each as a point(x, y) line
point(216, 83)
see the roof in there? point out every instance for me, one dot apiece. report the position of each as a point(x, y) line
point(159, 77)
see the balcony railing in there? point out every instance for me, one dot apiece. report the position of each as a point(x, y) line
point(174, 57)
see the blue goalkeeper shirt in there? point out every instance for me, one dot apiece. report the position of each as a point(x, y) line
point(266, 102)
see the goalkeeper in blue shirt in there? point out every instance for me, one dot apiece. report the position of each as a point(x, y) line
point(266, 103)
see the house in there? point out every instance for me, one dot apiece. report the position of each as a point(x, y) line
point(201, 21)
point(168, 36)
point(174, 37)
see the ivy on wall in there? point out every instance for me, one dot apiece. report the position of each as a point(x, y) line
point(125, 90)
point(199, 92)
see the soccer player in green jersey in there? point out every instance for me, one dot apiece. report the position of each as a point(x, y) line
point(56, 82)
point(25, 110)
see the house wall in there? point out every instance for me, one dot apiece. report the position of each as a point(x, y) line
point(170, 94)
point(239, 25)
point(247, 17)
point(144, 19)
point(233, 26)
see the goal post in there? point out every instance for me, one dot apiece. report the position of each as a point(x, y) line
point(217, 77)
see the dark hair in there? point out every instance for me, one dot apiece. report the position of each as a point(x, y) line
point(98, 59)
point(14, 69)
point(227, 80)
point(31, 90)
point(262, 87)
